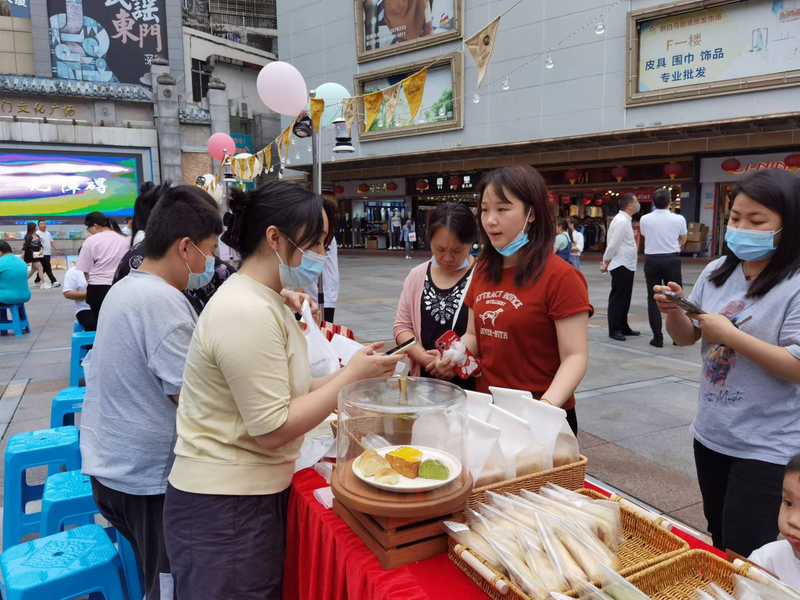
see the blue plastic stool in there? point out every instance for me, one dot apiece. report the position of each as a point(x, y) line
point(74, 563)
point(80, 348)
point(130, 564)
point(77, 327)
point(66, 403)
point(53, 447)
point(14, 317)
point(67, 500)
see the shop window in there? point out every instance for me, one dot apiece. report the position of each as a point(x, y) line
point(200, 79)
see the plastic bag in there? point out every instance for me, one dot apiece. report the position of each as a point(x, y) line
point(522, 455)
point(589, 592)
point(521, 574)
point(610, 512)
point(463, 535)
point(760, 576)
point(539, 563)
point(747, 589)
point(619, 588)
point(597, 526)
point(566, 450)
point(583, 549)
point(482, 440)
point(321, 354)
point(501, 519)
point(718, 593)
point(559, 556)
point(478, 404)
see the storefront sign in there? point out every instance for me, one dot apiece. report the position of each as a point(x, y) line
point(729, 42)
point(42, 108)
point(711, 168)
point(15, 8)
point(107, 41)
point(373, 188)
point(441, 184)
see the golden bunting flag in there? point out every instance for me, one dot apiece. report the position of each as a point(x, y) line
point(413, 87)
point(287, 135)
point(349, 113)
point(267, 162)
point(391, 94)
point(281, 149)
point(481, 45)
point(260, 157)
point(317, 107)
point(372, 106)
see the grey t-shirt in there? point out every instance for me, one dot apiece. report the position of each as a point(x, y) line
point(744, 411)
point(128, 421)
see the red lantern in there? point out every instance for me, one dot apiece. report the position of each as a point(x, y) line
point(455, 181)
point(619, 173)
point(731, 165)
point(339, 189)
point(672, 169)
point(587, 201)
point(572, 176)
point(565, 199)
point(792, 161)
point(363, 188)
point(422, 185)
point(392, 187)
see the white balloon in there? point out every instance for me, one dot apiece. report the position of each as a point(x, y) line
point(282, 88)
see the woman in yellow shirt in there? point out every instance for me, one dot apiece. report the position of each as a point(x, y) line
point(248, 399)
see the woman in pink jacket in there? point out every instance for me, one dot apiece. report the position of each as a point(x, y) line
point(432, 302)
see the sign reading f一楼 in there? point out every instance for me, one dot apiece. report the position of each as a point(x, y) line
point(106, 41)
point(15, 8)
point(732, 41)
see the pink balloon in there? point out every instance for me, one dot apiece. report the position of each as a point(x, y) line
point(282, 88)
point(219, 144)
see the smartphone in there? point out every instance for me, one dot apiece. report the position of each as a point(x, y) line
point(402, 347)
point(683, 303)
point(471, 367)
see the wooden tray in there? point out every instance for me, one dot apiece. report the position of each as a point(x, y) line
point(646, 544)
point(679, 577)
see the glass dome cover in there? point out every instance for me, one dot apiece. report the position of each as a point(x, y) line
point(422, 421)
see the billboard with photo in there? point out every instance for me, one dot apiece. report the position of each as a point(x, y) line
point(111, 41)
point(385, 27)
point(45, 184)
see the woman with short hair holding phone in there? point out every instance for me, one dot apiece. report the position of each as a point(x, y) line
point(748, 421)
point(529, 309)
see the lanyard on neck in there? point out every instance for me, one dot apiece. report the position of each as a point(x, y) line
point(463, 295)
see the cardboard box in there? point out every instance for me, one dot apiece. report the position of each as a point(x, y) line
point(372, 243)
point(693, 247)
point(698, 232)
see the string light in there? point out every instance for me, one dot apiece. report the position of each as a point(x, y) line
point(297, 156)
point(380, 122)
point(599, 29)
point(442, 111)
point(476, 98)
point(506, 84)
point(549, 63)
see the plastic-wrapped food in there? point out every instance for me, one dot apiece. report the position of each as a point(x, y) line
point(701, 594)
point(608, 511)
point(759, 575)
point(497, 517)
point(514, 508)
point(619, 588)
point(597, 526)
point(718, 593)
point(490, 532)
point(463, 535)
point(559, 556)
point(539, 563)
point(747, 589)
point(602, 552)
point(521, 574)
point(587, 591)
point(580, 547)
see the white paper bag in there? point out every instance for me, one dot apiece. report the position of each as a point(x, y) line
point(515, 438)
point(478, 404)
point(482, 439)
point(321, 354)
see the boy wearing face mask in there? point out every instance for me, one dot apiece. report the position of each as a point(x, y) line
point(134, 376)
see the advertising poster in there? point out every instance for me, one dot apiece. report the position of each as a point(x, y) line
point(732, 41)
point(386, 25)
point(437, 100)
point(63, 185)
point(106, 41)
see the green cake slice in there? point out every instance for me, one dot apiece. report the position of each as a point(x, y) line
point(434, 469)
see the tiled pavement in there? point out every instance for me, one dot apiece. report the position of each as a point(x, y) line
point(634, 405)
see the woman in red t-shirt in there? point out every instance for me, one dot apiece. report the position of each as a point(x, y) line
point(529, 310)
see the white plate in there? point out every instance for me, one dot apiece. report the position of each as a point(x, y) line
point(406, 485)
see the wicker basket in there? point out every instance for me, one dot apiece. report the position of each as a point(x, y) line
point(678, 578)
point(646, 545)
point(569, 476)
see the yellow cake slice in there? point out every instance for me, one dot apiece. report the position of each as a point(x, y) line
point(406, 461)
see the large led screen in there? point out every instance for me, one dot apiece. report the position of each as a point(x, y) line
point(64, 185)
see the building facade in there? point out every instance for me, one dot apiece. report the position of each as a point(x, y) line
point(602, 97)
point(98, 97)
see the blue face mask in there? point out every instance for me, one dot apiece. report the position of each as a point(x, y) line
point(751, 244)
point(308, 272)
point(518, 242)
point(199, 280)
point(464, 265)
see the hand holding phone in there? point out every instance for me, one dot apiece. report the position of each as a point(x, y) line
point(451, 346)
point(402, 347)
point(683, 303)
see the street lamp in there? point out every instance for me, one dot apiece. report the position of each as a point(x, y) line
point(303, 127)
point(343, 143)
point(228, 176)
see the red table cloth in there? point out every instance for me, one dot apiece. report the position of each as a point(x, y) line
point(325, 560)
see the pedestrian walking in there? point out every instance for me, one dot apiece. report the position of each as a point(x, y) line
point(563, 243)
point(32, 254)
point(409, 236)
point(100, 257)
point(747, 426)
point(620, 260)
point(577, 242)
point(664, 235)
point(48, 245)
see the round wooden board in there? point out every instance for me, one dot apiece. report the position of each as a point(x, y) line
point(360, 496)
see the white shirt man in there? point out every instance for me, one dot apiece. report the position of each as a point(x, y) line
point(620, 260)
point(577, 244)
point(47, 250)
point(664, 234)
